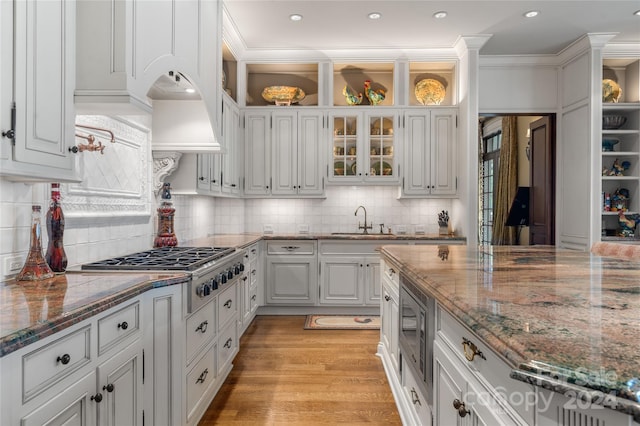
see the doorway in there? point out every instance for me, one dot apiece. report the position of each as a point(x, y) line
point(515, 152)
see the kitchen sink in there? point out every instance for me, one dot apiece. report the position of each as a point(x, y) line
point(361, 234)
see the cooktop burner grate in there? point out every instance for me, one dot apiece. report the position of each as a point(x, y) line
point(162, 259)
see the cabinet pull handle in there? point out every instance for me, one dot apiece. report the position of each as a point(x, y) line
point(64, 359)
point(386, 297)
point(202, 327)
point(203, 376)
point(253, 272)
point(123, 325)
point(471, 350)
point(391, 271)
point(227, 344)
point(227, 304)
point(290, 248)
point(109, 387)
point(244, 278)
point(459, 405)
point(97, 397)
point(414, 397)
point(253, 297)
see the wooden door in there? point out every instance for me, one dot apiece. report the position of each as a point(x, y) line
point(542, 180)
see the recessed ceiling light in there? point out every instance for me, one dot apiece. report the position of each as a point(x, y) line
point(637, 13)
point(295, 17)
point(440, 15)
point(375, 15)
point(531, 14)
point(190, 90)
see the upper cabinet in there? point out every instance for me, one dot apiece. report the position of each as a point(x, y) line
point(620, 147)
point(37, 111)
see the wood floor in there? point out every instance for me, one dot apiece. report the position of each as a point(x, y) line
point(285, 375)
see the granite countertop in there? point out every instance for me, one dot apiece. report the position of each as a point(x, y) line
point(565, 320)
point(32, 310)
point(359, 236)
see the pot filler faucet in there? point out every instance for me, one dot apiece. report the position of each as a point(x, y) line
point(365, 226)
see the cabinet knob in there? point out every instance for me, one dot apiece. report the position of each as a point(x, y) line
point(459, 405)
point(227, 344)
point(227, 304)
point(201, 178)
point(123, 325)
point(9, 134)
point(213, 181)
point(386, 297)
point(64, 359)
point(109, 387)
point(97, 397)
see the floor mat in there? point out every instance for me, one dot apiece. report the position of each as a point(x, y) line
point(329, 322)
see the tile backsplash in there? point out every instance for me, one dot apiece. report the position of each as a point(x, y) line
point(93, 232)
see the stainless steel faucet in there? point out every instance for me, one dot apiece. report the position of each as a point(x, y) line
point(365, 226)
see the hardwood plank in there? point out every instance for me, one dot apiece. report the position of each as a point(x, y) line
point(286, 375)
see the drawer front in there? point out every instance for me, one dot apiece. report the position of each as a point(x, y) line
point(252, 252)
point(117, 326)
point(415, 396)
point(201, 328)
point(391, 273)
point(301, 247)
point(489, 368)
point(199, 379)
point(46, 366)
point(227, 306)
point(227, 345)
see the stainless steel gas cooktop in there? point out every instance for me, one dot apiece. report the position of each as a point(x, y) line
point(162, 259)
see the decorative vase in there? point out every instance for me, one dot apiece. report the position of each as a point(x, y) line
point(35, 266)
point(56, 257)
point(166, 236)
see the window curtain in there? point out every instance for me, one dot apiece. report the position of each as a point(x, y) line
point(507, 183)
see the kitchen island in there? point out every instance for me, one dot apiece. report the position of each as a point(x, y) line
point(562, 320)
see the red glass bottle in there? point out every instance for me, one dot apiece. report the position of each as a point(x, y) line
point(35, 267)
point(55, 256)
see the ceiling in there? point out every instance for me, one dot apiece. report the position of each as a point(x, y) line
point(343, 24)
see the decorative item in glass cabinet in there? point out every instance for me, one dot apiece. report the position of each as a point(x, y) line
point(35, 266)
point(56, 257)
point(352, 97)
point(375, 96)
point(611, 91)
point(430, 92)
point(283, 95)
point(613, 122)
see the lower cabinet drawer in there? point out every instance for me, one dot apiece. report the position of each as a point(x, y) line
point(415, 396)
point(117, 326)
point(49, 364)
point(291, 247)
point(489, 368)
point(227, 305)
point(227, 345)
point(201, 377)
point(201, 328)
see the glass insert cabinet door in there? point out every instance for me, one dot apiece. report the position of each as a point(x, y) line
point(363, 148)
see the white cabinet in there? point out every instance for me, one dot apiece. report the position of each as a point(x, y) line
point(350, 272)
point(390, 315)
point(430, 152)
point(283, 155)
point(292, 272)
point(42, 77)
point(364, 146)
point(230, 159)
point(120, 384)
point(249, 286)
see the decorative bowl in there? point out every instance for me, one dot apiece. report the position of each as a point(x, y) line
point(607, 144)
point(430, 92)
point(612, 122)
point(283, 95)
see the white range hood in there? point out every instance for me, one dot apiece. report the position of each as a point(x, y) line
point(183, 126)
